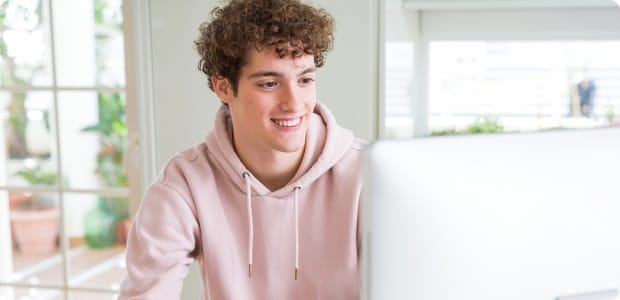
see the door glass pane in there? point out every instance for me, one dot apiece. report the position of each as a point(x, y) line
point(92, 53)
point(523, 85)
point(109, 43)
point(93, 140)
point(27, 155)
point(24, 44)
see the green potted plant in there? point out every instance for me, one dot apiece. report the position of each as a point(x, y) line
point(35, 221)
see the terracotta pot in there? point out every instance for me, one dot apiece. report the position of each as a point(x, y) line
point(15, 201)
point(17, 198)
point(122, 231)
point(36, 231)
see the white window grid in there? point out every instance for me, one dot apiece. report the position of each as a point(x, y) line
point(60, 189)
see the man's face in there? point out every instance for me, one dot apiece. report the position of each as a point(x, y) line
point(274, 101)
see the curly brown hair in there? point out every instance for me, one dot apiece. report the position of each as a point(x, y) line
point(289, 26)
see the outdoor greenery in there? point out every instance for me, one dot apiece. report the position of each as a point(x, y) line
point(38, 176)
point(112, 131)
point(485, 124)
point(482, 124)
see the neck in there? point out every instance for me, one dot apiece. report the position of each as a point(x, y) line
point(274, 169)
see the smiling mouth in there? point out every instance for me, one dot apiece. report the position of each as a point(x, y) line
point(287, 122)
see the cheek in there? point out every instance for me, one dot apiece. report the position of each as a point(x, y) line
point(249, 101)
point(312, 99)
point(311, 95)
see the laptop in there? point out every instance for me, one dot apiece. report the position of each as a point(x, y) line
point(513, 216)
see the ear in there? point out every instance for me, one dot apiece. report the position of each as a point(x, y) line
point(222, 88)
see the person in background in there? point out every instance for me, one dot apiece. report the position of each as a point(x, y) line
point(586, 90)
point(268, 204)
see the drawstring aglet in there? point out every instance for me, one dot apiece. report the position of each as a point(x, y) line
point(249, 270)
point(296, 273)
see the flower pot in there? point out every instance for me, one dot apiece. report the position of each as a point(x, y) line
point(36, 231)
point(122, 231)
point(17, 198)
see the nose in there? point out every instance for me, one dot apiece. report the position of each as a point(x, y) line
point(292, 98)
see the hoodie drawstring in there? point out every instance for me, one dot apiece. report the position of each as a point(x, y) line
point(296, 232)
point(248, 188)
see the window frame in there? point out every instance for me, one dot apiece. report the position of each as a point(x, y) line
point(134, 155)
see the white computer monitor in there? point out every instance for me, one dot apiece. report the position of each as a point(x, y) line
point(531, 216)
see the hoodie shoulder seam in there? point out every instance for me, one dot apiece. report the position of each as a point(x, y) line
point(163, 180)
point(192, 153)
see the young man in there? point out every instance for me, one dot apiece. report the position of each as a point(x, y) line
point(268, 204)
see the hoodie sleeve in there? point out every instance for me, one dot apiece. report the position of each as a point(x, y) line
point(161, 245)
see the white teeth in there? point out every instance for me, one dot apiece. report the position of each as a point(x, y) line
point(288, 123)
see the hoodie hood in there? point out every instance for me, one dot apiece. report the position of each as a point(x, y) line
point(326, 144)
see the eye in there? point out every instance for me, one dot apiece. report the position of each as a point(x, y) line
point(268, 84)
point(307, 80)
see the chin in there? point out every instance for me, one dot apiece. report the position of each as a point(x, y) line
point(292, 143)
point(293, 146)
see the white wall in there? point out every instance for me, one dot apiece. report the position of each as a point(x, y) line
point(183, 104)
point(349, 82)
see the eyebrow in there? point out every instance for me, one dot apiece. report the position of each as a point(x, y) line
point(276, 74)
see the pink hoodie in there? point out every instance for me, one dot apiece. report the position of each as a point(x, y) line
point(206, 206)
